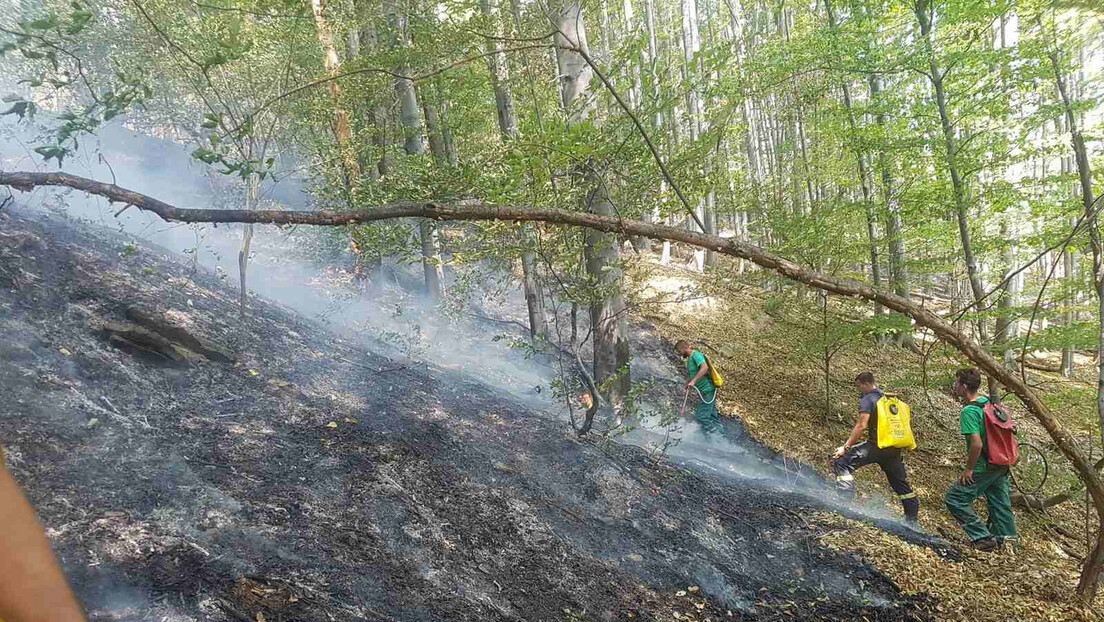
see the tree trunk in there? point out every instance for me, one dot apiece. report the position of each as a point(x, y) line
point(431, 258)
point(1094, 565)
point(252, 193)
point(447, 137)
point(427, 230)
point(608, 317)
point(378, 115)
point(342, 127)
point(1088, 200)
point(962, 207)
point(415, 145)
point(609, 320)
point(409, 114)
point(433, 130)
point(628, 24)
point(898, 267)
point(508, 128)
point(1006, 323)
point(864, 175)
point(1066, 368)
point(691, 45)
point(500, 75)
point(657, 116)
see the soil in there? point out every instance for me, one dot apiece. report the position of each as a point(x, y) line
point(271, 469)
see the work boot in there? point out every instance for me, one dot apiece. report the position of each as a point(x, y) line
point(985, 544)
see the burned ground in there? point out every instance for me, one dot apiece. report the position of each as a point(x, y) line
point(273, 467)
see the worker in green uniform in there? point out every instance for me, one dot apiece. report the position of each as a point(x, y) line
point(700, 386)
point(979, 478)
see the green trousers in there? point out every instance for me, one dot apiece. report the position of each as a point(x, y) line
point(705, 413)
point(992, 484)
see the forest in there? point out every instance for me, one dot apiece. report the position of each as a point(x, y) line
point(913, 184)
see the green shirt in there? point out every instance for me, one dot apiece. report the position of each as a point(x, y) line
point(972, 421)
point(693, 364)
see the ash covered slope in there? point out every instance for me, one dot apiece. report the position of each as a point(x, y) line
point(190, 466)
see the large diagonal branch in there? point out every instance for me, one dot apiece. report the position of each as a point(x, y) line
point(476, 210)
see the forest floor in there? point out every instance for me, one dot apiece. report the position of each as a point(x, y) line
point(776, 388)
point(189, 465)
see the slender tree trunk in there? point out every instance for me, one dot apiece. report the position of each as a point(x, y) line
point(342, 126)
point(691, 45)
point(433, 130)
point(447, 137)
point(427, 229)
point(864, 174)
point(923, 10)
point(252, 193)
point(608, 316)
point(1066, 368)
point(1006, 322)
point(1088, 198)
point(629, 25)
point(1094, 566)
point(409, 113)
point(379, 103)
point(657, 117)
point(508, 128)
point(898, 267)
point(415, 145)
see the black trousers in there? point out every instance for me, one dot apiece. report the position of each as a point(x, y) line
point(892, 465)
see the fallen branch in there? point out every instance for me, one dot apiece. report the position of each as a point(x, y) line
point(378, 370)
point(1028, 363)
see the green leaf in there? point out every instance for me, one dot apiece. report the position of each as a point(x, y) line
point(22, 109)
point(50, 152)
point(47, 23)
point(79, 20)
point(206, 156)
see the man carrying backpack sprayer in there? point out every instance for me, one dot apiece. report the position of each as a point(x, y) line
point(887, 419)
point(703, 382)
point(990, 451)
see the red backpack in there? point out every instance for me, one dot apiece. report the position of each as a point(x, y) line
point(1001, 447)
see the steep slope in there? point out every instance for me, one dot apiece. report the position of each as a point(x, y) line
point(191, 466)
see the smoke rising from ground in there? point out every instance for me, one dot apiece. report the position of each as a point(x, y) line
point(404, 326)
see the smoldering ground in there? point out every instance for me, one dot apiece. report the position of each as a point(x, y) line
point(314, 479)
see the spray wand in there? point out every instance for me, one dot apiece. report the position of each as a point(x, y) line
point(685, 398)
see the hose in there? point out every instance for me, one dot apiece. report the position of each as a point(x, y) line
point(702, 397)
point(686, 398)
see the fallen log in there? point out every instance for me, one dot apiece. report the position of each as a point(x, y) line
point(1039, 366)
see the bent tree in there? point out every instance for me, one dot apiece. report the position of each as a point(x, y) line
point(479, 211)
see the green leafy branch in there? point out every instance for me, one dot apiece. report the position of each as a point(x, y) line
point(51, 40)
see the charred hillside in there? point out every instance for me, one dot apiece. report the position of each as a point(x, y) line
point(191, 465)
